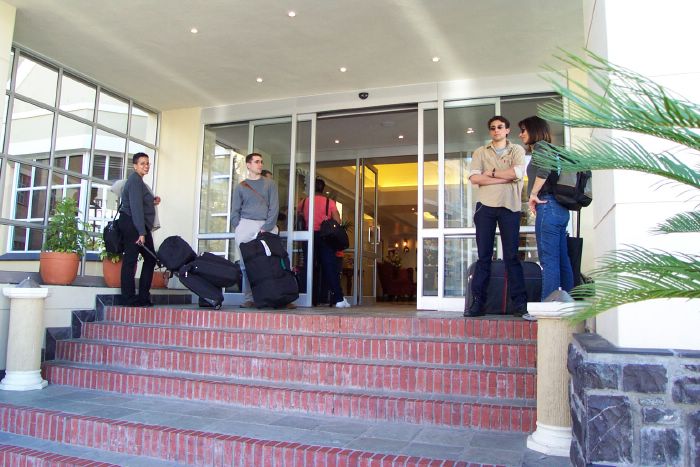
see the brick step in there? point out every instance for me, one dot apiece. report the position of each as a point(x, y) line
point(509, 383)
point(189, 447)
point(313, 322)
point(21, 456)
point(487, 352)
point(378, 405)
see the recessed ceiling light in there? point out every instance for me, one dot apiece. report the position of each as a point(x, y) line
point(337, 141)
point(436, 59)
point(194, 30)
point(470, 131)
point(343, 69)
point(291, 14)
point(400, 136)
point(259, 79)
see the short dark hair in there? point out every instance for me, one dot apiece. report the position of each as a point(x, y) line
point(265, 173)
point(320, 185)
point(250, 156)
point(537, 129)
point(137, 156)
point(500, 118)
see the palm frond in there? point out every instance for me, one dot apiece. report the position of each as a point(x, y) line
point(626, 101)
point(616, 153)
point(682, 222)
point(634, 275)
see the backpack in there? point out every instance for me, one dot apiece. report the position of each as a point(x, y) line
point(574, 190)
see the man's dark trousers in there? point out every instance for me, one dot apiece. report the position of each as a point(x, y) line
point(485, 219)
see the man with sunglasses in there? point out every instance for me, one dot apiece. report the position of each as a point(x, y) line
point(497, 169)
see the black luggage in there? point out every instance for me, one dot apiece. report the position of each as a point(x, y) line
point(175, 252)
point(268, 270)
point(209, 294)
point(498, 294)
point(216, 270)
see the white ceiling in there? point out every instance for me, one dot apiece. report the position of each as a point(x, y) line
point(144, 48)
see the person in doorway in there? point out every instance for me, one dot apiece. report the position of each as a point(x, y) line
point(136, 219)
point(266, 174)
point(497, 169)
point(255, 207)
point(552, 218)
point(325, 259)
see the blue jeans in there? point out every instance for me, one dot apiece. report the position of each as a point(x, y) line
point(550, 229)
point(485, 220)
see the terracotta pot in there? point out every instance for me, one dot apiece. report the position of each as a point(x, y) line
point(160, 279)
point(58, 268)
point(112, 273)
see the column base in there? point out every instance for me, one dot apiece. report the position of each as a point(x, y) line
point(550, 440)
point(23, 381)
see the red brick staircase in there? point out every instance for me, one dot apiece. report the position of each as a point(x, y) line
point(475, 373)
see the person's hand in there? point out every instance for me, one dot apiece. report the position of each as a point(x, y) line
point(534, 201)
point(141, 240)
point(156, 200)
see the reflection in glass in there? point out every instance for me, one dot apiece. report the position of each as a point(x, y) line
point(460, 252)
point(430, 267)
point(302, 185)
point(23, 239)
point(112, 112)
point(9, 71)
point(217, 247)
point(108, 161)
point(31, 130)
point(30, 192)
point(298, 263)
point(431, 180)
point(73, 136)
point(77, 97)
point(144, 124)
point(36, 81)
point(3, 119)
point(274, 142)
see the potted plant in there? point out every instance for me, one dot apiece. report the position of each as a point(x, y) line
point(63, 244)
point(111, 268)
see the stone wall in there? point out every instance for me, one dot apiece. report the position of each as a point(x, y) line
point(633, 406)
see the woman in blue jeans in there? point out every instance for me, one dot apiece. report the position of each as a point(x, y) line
point(552, 219)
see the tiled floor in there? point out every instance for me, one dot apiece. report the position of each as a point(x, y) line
point(389, 438)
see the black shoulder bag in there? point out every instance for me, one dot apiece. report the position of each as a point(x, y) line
point(112, 236)
point(333, 233)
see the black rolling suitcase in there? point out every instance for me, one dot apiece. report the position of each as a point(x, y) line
point(270, 275)
point(216, 270)
point(175, 252)
point(209, 294)
point(498, 294)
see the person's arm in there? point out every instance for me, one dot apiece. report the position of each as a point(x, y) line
point(273, 208)
point(536, 187)
point(136, 192)
point(236, 204)
point(483, 180)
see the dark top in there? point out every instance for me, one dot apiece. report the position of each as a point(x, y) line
point(535, 171)
point(137, 202)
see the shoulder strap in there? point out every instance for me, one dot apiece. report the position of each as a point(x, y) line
point(247, 185)
point(327, 201)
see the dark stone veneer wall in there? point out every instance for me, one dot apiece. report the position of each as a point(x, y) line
point(633, 406)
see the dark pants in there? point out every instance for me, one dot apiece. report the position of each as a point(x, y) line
point(485, 219)
point(131, 254)
point(326, 261)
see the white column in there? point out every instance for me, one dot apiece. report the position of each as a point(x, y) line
point(554, 334)
point(23, 369)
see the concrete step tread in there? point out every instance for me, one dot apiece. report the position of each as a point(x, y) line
point(303, 359)
point(340, 390)
point(337, 335)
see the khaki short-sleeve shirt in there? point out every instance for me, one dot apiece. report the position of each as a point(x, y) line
point(508, 195)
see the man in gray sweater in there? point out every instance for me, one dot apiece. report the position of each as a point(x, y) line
point(254, 209)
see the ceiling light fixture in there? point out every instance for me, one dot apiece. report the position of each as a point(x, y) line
point(337, 141)
point(470, 131)
point(194, 30)
point(436, 59)
point(343, 69)
point(400, 136)
point(259, 79)
point(291, 14)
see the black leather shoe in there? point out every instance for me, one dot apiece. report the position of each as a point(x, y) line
point(520, 310)
point(142, 302)
point(476, 309)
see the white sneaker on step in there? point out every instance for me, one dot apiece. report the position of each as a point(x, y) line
point(343, 304)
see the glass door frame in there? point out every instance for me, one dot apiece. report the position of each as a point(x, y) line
point(373, 233)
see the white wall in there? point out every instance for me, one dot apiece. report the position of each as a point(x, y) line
point(7, 29)
point(656, 40)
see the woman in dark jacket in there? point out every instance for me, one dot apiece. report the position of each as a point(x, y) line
point(138, 210)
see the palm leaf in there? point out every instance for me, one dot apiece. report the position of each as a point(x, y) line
point(626, 101)
point(634, 275)
point(683, 222)
point(616, 153)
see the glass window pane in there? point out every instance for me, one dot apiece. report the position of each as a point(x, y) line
point(460, 252)
point(302, 185)
point(38, 203)
point(36, 81)
point(430, 169)
point(299, 253)
point(430, 267)
point(216, 180)
point(30, 133)
point(108, 162)
point(273, 142)
point(74, 137)
point(144, 124)
point(112, 112)
point(77, 97)
point(465, 131)
point(4, 123)
point(8, 82)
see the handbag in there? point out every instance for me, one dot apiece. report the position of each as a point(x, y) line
point(112, 236)
point(333, 233)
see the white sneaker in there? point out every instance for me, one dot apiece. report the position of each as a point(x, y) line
point(343, 304)
point(529, 317)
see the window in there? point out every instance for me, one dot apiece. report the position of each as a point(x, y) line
point(63, 135)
